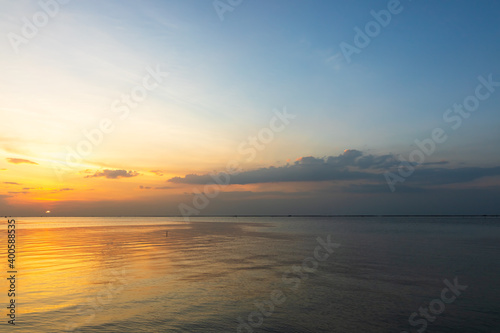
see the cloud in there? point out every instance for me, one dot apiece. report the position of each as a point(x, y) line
point(154, 188)
point(157, 172)
point(436, 163)
point(11, 183)
point(114, 174)
point(353, 166)
point(379, 188)
point(442, 176)
point(350, 165)
point(20, 161)
point(64, 190)
point(293, 173)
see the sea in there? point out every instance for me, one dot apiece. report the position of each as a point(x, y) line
point(252, 274)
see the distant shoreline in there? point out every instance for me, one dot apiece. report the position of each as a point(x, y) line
point(180, 216)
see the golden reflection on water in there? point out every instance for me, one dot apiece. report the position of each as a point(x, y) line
point(134, 276)
point(60, 268)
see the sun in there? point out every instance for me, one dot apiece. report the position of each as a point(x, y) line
point(47, 212)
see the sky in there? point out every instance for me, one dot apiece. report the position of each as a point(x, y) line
point(240, 107)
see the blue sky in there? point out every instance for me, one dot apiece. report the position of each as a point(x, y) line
point(226, 79)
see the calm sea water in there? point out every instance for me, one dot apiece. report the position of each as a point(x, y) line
point(255, 275)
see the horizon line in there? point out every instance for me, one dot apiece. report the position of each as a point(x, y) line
point(278, 215)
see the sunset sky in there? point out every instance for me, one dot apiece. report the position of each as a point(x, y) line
point(128, 107)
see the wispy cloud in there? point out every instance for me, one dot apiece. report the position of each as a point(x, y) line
point(20, 161)
point(154, 188)
point(436, 163)
point(445, 176)
point(114, 174)
point(64, 190)
point(162, 188)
